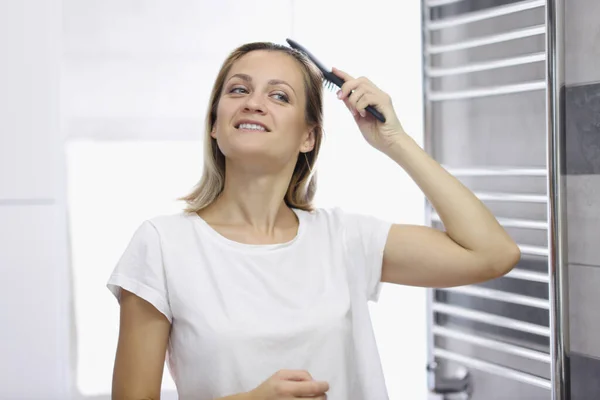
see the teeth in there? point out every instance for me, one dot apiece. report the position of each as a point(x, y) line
point(252, 127)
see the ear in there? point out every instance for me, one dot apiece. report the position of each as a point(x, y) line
point(309, 142)
point(213, 132)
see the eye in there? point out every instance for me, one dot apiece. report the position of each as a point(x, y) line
point(282, 97)
point(238, 90)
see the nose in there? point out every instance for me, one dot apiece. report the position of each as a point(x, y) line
point(254, 103)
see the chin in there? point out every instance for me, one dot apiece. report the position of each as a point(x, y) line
point(250, 154)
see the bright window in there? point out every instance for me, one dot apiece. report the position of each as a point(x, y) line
point(112, 188)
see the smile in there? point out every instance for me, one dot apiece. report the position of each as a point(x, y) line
point(252, 127)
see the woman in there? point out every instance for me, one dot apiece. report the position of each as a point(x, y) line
point(255, 294)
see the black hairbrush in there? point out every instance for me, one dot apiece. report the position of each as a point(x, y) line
point(330, 78)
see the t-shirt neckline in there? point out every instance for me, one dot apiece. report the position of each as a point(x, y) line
point(218, 237)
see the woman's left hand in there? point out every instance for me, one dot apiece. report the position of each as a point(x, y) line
point(359, 93)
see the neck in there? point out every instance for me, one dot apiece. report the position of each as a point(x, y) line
point(254, 200)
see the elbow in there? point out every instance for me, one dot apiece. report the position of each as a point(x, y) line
point(505, 259)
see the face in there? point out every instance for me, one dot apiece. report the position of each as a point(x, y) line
point(261, 112)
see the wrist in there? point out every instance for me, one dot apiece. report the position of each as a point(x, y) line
point(399, 144)
point(248, 396)
point(239, 396)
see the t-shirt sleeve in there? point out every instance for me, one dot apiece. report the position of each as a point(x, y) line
point(140, 270)
point(366, 237)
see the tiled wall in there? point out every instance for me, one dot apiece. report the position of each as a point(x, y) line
point(582, 73)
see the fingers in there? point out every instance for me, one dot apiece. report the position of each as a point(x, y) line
point(341, 74)
point(352, 84)
point(294, 375)
point(309, 389)
point(363, 102)
point(358, 93)
point(359, 101)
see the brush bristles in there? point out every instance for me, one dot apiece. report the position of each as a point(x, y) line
point(329, 85)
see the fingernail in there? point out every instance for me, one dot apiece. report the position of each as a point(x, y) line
point(339, 94)
point(363, 114)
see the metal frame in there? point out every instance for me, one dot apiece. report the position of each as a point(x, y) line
point(510, 171)
point(557, 257)
point(484, 41)
point(491, 344)
point(486, 65)
point(488, 91)
point(557, 277)
point(499, 295)
point(427, 141)
point(486, 14)
point(493, 368)
point(525, 275)
point(490, 319)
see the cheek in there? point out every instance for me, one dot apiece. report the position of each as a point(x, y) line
point(300, 129)
point(225, 109)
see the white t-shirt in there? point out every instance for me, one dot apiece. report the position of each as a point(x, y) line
point(241, 312)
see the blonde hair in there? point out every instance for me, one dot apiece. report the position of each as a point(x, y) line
point(303, 184)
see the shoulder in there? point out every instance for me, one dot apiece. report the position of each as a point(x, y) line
point(330, 216)
point(168, 226)
point(347, 220)
point(166, 221)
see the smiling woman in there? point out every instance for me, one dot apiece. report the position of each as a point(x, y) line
point(283, 79)
point(254, 98)
point(256, 294)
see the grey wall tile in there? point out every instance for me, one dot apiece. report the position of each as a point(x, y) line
point(584, 302)
point(585, 377)
point(583, 219)
point(582, 41)
point(583, 128)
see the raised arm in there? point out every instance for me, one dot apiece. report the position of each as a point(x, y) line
point(473, 248)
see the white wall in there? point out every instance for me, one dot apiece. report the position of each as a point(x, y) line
point(141, 70)
point(34, 301)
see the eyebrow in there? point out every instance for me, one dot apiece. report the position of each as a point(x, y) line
point(272, 82)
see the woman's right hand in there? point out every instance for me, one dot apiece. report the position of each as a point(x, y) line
point(290, 384)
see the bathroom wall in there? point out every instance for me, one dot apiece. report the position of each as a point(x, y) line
point(582, 78)
point(114, 71)
point(33, 305)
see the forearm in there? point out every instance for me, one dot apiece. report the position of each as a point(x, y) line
point(467, 220)
point(239, 396)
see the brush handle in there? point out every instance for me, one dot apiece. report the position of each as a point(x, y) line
point(375, 113)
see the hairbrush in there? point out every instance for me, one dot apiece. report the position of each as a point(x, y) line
point(329, 78)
